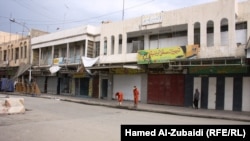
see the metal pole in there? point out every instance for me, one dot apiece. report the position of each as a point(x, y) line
point(29, 37)
point(123, 10)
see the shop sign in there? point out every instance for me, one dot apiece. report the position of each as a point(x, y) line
point(125, 71)
point(79, 75)
point(163, 55)
point(153, 19)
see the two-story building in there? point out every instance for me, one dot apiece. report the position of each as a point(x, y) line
point(15, 58)
point(167, 55)
point(58, 60)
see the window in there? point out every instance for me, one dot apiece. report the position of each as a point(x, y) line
point(5, 55)
point(21, 56)
point(17, 53)
point(112, 44)
point(105, 46)
point(25, 51)
point(97, 49)
point(56, 53)
point(120, 44)
point(242, 25)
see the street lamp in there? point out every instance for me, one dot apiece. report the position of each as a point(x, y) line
point(29, 35)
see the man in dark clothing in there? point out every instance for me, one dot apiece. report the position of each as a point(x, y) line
point(196, 98)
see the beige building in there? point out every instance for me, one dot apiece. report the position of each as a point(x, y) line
point(15, 56)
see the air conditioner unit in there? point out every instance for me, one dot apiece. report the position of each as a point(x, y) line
point(167, 66)
point(177, 66)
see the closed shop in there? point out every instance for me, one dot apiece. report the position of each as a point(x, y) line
point(82, 86)
point(52, 85)
point(166, 89)
point(95, 86)
point(40, 80)
point(125, 84)
point(222, 92)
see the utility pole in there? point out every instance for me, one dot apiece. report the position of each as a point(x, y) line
point(29, 38)
point(123, 10)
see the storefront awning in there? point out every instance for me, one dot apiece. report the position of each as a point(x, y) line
point(89, 62)
point(113, 67)
point(54, 69)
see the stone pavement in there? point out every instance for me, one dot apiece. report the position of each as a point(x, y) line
point(165, 109)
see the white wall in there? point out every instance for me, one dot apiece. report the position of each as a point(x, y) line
point(168, 42)
point(246, 94)
point(125, 83)
point(212, 92)
point(228, 99)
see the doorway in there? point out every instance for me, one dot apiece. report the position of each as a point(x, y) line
point(104, 92)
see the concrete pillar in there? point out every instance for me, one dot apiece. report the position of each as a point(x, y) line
point(124, 43)
point(203, 28)
point(53, 48)
point(86, 48)
point(116, 46)
point(190, 33)
point(40, 56)
point(231, 36)
point(217, 33)
point(67, 53)
point(146, 42)
point(109, 45)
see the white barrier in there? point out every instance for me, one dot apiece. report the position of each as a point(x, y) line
point(12, 106)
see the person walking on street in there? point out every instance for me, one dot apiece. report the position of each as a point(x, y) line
point(119, 96)
point(196, 98)
point(136, 96)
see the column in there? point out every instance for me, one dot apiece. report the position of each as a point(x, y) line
point(231, 37)
point(203, 28)
point(67, 53)
point(86, 48)
point(40, 56)
point(217, 33)
point(190, 33)
point(109, 45)
point(53, 47)
point(146, 42)
point(116, 44)
point(124, 43)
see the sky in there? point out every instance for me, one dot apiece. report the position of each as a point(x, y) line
point(54, 15)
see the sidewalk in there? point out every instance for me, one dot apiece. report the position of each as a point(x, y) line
point(165, 109)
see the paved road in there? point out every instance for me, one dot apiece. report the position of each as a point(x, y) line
point(52, 118)
point(175, 110)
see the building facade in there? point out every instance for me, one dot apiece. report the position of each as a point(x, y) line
point(15, 58)
point(167, 55)
point(58, 60)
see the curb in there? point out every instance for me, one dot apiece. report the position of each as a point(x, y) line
point(201, 115)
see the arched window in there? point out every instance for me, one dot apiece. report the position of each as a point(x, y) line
point(210, 33)
point(120, 44)
point(112, 44)
point(105, 46)
point(197, 33)
point(21, 49)
point(224, 32)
